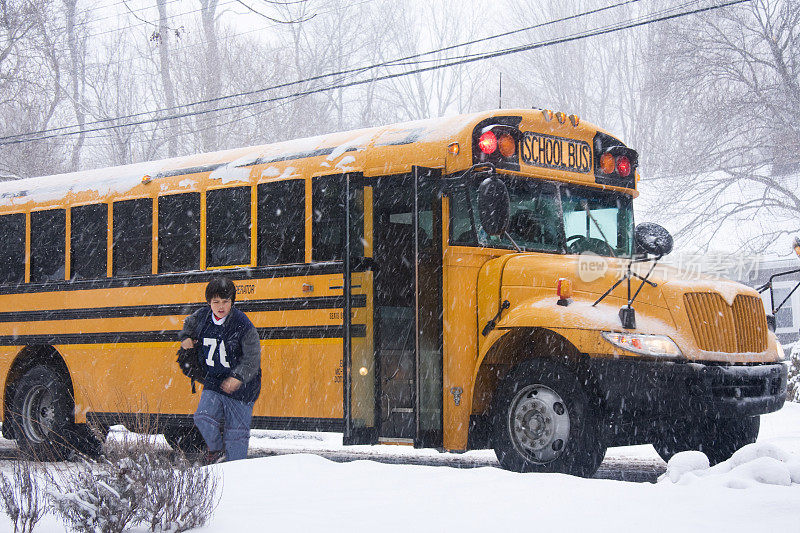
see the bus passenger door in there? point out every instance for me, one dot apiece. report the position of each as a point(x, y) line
point(407, 300)
point(428, 313)
point(359, 380)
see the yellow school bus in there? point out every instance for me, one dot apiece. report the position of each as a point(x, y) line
point(457, 283)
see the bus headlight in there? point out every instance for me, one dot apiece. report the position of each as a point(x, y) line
point(654, 345)
point(781, 351)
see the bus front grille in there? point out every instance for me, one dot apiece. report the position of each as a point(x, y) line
point(719, 327)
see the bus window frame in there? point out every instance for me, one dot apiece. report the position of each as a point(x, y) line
point(305, 250)
point(463, 183)
point(25, 261)
point(108, 225)
point(157, 226)
point(204, 223)
point(452, 187)
point(153, 235)
point(66, 248)
point(355, 176)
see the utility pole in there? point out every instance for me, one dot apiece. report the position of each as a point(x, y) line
point(501, 91)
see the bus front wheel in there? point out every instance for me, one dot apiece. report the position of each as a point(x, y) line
point(544, 421)
point(41, 414)
point(717, 438)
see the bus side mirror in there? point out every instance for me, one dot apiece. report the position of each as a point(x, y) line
point(652, 239)
point(494, 206)
point(771, 323)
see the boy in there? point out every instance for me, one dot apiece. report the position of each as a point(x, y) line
point(230, 351)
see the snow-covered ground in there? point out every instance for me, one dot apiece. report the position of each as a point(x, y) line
point(757, 490)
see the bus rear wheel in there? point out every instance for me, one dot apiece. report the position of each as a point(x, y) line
point(42, 415)
point(544, 421)
point(186, 440)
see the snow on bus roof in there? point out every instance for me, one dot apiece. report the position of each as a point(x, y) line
point(228, 165)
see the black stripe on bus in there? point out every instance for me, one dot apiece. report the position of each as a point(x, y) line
point(247, 306)
point(179, 278)
point(295, 332)
point(154, 421)
point(298, 424)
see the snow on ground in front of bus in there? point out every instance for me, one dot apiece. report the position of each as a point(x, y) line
point(300, 492)
point(756, 490)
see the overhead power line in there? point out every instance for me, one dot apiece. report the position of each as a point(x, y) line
point(613, 28)
point(403, 61)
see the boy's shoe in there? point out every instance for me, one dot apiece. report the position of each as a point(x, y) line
point(211, 458)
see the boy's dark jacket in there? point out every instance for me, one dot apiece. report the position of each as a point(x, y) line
point(242, 351)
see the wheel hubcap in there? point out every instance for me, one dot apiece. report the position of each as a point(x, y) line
point(38, 414)
point(539, 423)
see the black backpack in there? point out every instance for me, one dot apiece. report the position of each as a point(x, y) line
point(190, 365)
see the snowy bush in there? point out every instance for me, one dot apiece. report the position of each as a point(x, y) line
point(177, 497)
point(141, 488)
point(105, 501)
point(22, 496)
point(793, 388)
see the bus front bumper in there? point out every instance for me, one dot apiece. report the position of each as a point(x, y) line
point(658, 389)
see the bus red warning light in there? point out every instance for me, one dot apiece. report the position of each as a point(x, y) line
point(623, 166)
point(487, 143)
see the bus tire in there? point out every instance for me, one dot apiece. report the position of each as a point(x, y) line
point(544, 421)
point(87, 440)
point(187, 441)
point(42, 415)
point(718, 439)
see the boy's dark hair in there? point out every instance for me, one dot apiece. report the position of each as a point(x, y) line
point(221, 287)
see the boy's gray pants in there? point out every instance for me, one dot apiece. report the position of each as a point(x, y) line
point(224, 421)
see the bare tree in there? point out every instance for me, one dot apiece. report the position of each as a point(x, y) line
point(211, 74)
point(611, 80)
point(77, 71)
point(738, 73)
point(323, 43)
point(429, 27)
point(163, 37)
point(119, 85)
point(30, 85)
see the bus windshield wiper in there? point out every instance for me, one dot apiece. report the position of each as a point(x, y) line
point(652, 239)
point(591, 217)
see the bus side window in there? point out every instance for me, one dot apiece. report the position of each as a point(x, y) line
point(179, 232)
point(462, 230)
point(12, 248)
point(133, 237)
point(228, 227)
point(327, 219)
point(88, 241)
point(327, 224)
point(48, 245)
point(281, 222)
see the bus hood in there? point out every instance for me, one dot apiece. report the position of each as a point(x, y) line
point(591, 276)
point(711, 318)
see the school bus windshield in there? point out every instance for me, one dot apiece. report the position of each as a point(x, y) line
point(597, 221)
point(549, 217)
